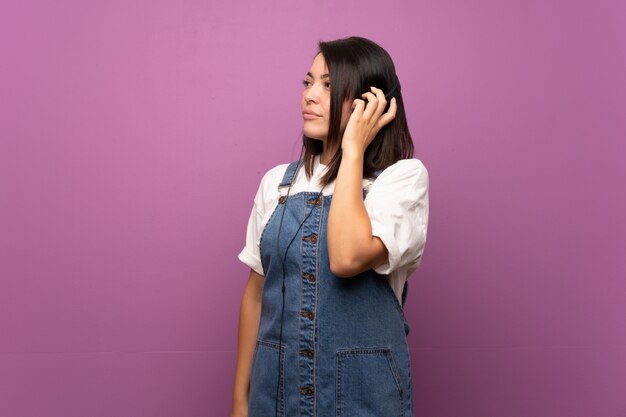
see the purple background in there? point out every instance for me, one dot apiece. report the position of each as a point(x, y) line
point(133, 135)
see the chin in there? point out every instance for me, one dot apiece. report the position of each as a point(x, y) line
point(315, 138)
point(314, 135)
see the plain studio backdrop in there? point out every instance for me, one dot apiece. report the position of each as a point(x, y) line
point(134, 134)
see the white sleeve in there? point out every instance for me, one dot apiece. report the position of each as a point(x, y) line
point(397, 204)
point(250, 254)
point(265, 201)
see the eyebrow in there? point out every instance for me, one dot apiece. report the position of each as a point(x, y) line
point(323, 75)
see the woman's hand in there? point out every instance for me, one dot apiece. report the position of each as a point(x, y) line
point(239, 410)
point(366, 120)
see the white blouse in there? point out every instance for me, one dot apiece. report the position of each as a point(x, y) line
point(397, 204)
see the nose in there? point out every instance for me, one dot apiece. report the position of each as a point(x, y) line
point(312, 94)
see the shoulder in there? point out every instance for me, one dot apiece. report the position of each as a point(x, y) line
point(274, 175)
point(268, 188)
point(405, 172)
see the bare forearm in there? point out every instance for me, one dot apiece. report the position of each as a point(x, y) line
point(351, 246)
point(249, 317)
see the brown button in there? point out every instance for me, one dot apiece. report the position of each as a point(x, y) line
point(310, 277)
point(307, 391)
point(282, 199)
point(311, 238)
point(317, 201)
point(308, 314)
point(308, 353)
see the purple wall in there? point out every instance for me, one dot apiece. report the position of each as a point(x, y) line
point(133, 135)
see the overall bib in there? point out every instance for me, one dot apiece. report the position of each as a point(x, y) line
point(344, 351)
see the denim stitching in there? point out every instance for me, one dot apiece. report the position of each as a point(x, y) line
point(280, 348)
point(396, 376)
point(338, 389)
point(377, 351)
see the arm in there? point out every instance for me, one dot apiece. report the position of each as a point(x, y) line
point(351, 247)
point(249, 317)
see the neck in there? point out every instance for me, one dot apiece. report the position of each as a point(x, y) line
point(327, 155)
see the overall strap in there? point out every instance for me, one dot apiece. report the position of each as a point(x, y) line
point(290, 174)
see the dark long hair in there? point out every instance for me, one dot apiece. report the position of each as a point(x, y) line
point(355, 64)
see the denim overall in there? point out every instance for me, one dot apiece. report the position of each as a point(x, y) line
point(344, 351)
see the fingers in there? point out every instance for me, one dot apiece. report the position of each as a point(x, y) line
point(382, 101)
point(390, 115)
point(371, 109)
point(376, 102)
point(357, 106)
point(372, 112)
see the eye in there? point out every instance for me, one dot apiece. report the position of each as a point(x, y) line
point(327, 84)
point(306, 83)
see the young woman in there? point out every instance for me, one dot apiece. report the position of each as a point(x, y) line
point(330, 242)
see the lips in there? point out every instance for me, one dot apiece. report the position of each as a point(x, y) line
point(310, 115)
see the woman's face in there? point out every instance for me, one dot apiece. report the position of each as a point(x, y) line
point(316, 101)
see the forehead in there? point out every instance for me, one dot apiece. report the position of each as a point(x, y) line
point(318, 67)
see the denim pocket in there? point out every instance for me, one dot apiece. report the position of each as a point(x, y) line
point(266, 376)
point(368, 383)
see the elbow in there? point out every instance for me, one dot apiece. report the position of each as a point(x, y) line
point(345, 268)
